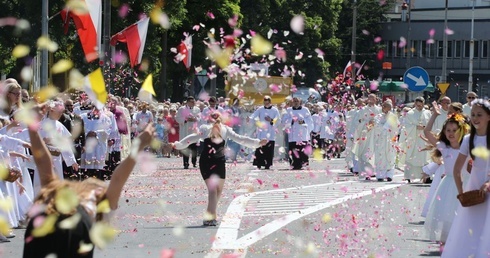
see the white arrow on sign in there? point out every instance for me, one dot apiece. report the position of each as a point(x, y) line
point(418, 81)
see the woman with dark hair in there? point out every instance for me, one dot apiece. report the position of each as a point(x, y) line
point(212, 159)
point(443, 205)
point(65, 212)
point(470, 230)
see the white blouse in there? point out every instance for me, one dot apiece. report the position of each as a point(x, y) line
point(226, 133)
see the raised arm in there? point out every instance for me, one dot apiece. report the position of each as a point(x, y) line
point(244, 140)
point(427, 130)
point(123, 170)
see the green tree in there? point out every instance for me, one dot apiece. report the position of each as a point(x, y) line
point(370, 15)
point(320, 27)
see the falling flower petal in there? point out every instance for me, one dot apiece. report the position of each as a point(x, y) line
point(159, 17)
point(449, 31)
point(4, 226)
point(66, 200)
point(20, 51)
point(46, 43)
point(85, 248)
point(481, 152)
point(210, 15)
point(297, 24)
point(261, 46)
point(432, 32)
point(44, 226)
point(377, 39)
point(26, 73)
point(70, 222)
point(101, 234)
point(233, 21)
point(123, 11)
point(62, 66)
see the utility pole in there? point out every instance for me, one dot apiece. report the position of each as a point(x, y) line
point(163, 74)
point(409, 39)
point(472, 48)
point(444, 46)
point(106, 39)
point(354, 37)
point(44, 51)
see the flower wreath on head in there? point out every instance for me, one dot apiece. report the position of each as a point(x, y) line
point(482, 102)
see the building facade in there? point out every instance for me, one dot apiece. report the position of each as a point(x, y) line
point(414, 36)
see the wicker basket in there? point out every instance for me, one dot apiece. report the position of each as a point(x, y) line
point(471, 198)
point(13, 175)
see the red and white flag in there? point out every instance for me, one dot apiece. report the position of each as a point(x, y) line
point(185, 49)
point(347, 69)
point(135, 38)
point(360, 68)
point(88, 26)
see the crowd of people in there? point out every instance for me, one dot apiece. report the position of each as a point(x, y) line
point(87, 143)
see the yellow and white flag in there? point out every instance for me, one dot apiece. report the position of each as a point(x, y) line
point(95, 88)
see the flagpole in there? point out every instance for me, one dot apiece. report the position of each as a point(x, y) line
point(44, 51)
point(106, 39)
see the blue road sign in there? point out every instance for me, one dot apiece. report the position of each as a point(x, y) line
point(416, 78)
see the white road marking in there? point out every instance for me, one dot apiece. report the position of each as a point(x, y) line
point(227, 234)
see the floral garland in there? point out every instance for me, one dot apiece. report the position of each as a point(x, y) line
point(482, 102)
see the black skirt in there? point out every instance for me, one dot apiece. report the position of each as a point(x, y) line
point(62, 242)
point(212, 159)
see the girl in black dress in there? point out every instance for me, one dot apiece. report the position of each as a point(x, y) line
point(212, 159)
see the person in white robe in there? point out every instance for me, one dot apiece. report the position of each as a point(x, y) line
point(266, 118)
point(12, 154)
point(299, 124)
point(352, 124)
point(58, 139)
point(415, 158)
point(209, 110)
point(385, 129)
point(444, 110)
point(98, 126)
point(364, 138)
point(188, 117)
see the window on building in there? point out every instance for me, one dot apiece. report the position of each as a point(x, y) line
point(450, 49)
point(396, 50)
point(389, 48)
point(440, 48)
point(467, 49)
point(431, 50)
point(457, 48)
point(477, 49)
point(423, 48)
point(484, 49)
point(414, 47)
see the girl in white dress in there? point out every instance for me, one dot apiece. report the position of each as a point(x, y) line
point(469, 234)
point(443, 203)
point(435, 169)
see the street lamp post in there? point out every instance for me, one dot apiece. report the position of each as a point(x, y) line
point(472, 49)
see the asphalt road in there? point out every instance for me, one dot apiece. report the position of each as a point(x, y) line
point(321, 211)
